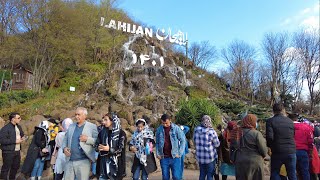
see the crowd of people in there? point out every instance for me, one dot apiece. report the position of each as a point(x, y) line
point(82, 150)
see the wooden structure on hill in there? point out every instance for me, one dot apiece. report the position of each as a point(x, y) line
point(22, 78)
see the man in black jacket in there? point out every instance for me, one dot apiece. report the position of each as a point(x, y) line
point(280, 138)
point(11, 136)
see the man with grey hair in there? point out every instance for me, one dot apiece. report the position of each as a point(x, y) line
point(78, 146)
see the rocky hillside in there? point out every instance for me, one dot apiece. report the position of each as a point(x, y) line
point(136, 87)
point(131, 89)
point(148, 80)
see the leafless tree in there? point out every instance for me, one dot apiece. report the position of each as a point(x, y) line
point(262, 82)
point(202, 54)
point(240, 57)
point(297, 79)
point(307, 44)
point(277, 53)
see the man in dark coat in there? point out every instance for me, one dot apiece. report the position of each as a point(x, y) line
point(11, 137)
point(280, 138)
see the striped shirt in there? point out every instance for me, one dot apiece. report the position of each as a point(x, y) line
point(206, 141)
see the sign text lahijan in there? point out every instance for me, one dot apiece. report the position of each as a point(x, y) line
point(177, 38)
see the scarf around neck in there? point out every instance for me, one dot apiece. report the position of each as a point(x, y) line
point(138, 142)
point(112, 162)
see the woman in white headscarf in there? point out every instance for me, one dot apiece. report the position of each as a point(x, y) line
point(60, 156)
point(141, 144)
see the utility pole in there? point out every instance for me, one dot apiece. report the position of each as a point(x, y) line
point(186, 51)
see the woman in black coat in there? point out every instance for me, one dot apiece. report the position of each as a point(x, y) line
point(142, 144)
point(39, 143)
point(111, 144)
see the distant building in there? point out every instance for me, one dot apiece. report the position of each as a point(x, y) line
point(22, 78)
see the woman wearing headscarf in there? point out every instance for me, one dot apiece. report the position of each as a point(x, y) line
point(58, 152)
point(206, 142)
point(111, 144)
point(141, 144)
point(227, 168)
point(37, 152)
point(252, 147)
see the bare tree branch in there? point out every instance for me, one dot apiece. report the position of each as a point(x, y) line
point(202, 54)
point(308, 46)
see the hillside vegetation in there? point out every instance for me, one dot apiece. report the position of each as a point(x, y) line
point(63, 44)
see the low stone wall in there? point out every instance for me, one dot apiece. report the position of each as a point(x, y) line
point(190, 161)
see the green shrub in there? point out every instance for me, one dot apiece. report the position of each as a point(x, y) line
point(15, 97)
point(190, 112)
point(5, 74)
point(22, 96)
point(99, 68)
point(230, 106)
point(4, 100)
point(173, 88)
point(195, 92)
point(261, 112)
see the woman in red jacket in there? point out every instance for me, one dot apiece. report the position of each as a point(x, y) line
point(303, 137)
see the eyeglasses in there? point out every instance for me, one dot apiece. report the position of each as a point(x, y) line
point(18, 117)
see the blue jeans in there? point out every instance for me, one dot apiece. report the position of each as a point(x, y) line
point(207, 170)
point(94, 168)
point(37, 168)
point(94, 165)
point(136, 173)
point(303, 164)
point(182, 165)
point(289, 160)
point(171, 163)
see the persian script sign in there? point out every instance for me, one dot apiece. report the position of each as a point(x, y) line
point(177, 38)
point(144, 58)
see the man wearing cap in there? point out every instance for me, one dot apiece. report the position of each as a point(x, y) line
point(170, 145)
point(11, 137)
point(78, 146)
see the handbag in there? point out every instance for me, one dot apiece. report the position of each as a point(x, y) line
point(42, 154)
point(54, 155)
point(234, 150)
point(53, 159)
point(233, 154)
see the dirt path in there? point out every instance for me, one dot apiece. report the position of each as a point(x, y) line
point(188, 175)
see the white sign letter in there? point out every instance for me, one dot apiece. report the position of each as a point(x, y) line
point(101, 21)
point(144, 58)
point(139, 30)
point(112, 24)
point(123, 26)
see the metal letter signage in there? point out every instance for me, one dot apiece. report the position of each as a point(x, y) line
point(177, 38)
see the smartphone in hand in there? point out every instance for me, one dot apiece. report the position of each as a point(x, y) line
point(24, 138)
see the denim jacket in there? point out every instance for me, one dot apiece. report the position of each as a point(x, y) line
point(185, 131)
point(177, 138)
